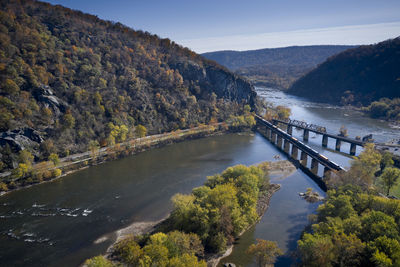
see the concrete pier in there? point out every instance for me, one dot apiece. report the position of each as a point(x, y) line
point(289, 129)
point(286, 146)
point(306, 134)
point(268, 133)
point(303, 158)
point(273, 137)
point(279, 142)
point(353, 149)
point(314, 166)
point(324, 140)
point(327, 173)
point(295, 152)
point(338, 144)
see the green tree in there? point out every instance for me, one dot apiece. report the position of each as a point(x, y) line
point(387, 160)
point(390, 177)
point(265, 252)
point(316, 250)
point(98, 261)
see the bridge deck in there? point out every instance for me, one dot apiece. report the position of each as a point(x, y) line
point(311, 152)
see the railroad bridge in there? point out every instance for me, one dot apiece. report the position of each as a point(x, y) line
point(292, 146)
point(307, 128)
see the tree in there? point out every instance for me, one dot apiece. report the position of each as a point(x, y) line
point(343, 131)
point(283, 113)
point(390, 177)
point(21, 171)
point(316, 250)
point(26, 157)
point(387, 160)
point(54, 158)
point(141, 131)
point(265, 252)
point(98, 261)
point(94, 148)
point(68, 121)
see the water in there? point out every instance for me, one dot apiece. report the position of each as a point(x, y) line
point(332, 117)
point(57, 223)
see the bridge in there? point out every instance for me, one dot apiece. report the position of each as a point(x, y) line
point(292, 146)
point(307, 128)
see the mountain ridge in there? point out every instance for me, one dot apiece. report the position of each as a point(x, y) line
point(355, 76)
point(276, 67)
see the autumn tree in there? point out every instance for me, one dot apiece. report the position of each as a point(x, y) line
point(265, 252)
point(140, 131)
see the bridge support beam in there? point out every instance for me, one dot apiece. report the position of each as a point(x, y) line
point(279, 143)
point(273, 137)
point(286, 146)
point(353, 149)
point(306, 134)
point(338, 144)
point(327, 173)
point(303, 158)
point(324, 140)
point(289, 129)
point(295, 152)
point(314, 166)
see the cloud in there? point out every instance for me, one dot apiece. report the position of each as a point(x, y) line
point(348, 35)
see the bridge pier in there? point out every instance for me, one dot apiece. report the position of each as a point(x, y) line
point(279, 143)
point(268, 133)
point(327, 173)
point(303, 158)
point(306, 134)
point(295, 152)
point(286, 146)
point(353, 149)
point(314, 166)
point(324, 140)
point(338, 144)
point(289, 129)
point(273, 137)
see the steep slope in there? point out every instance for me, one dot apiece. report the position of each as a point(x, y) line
point(355, 76)
point(278, 67)
point(69, 78)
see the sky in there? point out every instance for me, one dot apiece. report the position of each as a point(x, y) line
point(211, 25)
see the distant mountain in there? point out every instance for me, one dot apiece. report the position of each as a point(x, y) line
point(360, 75)
point(276, 67)
point(68, 79)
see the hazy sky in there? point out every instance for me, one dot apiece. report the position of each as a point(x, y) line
point(209, 25)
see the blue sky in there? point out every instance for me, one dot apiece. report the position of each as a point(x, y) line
point(209, 25)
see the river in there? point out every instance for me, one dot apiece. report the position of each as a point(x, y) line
point(57, 223)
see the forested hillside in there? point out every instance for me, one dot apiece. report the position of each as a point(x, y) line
point(356, 76)
point(69, 79)
point(276, 67)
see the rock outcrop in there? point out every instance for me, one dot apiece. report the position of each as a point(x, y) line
point(223, 83)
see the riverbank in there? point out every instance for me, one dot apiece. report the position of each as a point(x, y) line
point(81, 161)
point(279, 169)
